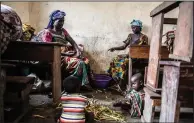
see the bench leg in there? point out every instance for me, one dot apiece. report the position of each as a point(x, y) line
point(149, 110)
point(2, 89)
point(169, 93)
point(177, 114)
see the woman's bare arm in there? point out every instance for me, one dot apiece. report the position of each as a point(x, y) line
point(74, 44)
point(126, 43)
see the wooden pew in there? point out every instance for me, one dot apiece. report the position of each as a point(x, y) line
point(17, 96)
point(182, 50)
point(39, 51)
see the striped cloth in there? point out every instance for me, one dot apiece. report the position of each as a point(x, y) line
point(73, 108)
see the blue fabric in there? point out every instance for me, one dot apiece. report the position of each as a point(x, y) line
point(55, 15)
point(136, 23)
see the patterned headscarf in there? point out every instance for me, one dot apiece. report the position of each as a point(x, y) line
point(55, 15)
point(11, 27)
point(28, 32)
point(12, 20)
point(137, 23)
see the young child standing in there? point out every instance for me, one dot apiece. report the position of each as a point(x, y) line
point(73, 103)
point(134, 97)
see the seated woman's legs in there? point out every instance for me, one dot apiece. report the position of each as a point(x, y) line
point(119, 70)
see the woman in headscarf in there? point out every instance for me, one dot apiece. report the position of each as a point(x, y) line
point(72, 58)
point(119, 66)
point(10, 30)
point(28, 32)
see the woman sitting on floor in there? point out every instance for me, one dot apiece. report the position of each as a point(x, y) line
point(72, 58)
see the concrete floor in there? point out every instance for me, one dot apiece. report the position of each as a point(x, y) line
point(43, 106)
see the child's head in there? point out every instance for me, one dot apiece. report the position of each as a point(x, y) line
point(71, 84)
point(136, 81)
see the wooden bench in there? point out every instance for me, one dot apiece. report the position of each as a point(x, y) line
point(18, 83)
point(151, 101)
point(42, 52)
point(3, 67)
point(182, 50)
point(17, 93)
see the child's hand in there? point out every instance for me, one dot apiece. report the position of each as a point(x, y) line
point(86, 61)
point(117, 104)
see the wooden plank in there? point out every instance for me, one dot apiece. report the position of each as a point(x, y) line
point(25, 93)
point(170, 63)
point(56, 74)
point(29, 52)
point(193, 96)
point(156, 102)
point(37, 43)
point(2, 86)
point(172, 21)
point(186, 76)
point(151, 94)
point(151, 100)
point(148, 109)
point(183, 44)
point(154, 89)
point(139, 51)
point(169, 93)
point(2, 89)
point(164, 8)
point(20, 79)
point(177, 114)
point(129, 73)
point(6, 65)
point(145, 75)
point(177, 57)
point(18, 83)
point(154, 54)
point(159, 87)
point(193, 102)
point(143, 52)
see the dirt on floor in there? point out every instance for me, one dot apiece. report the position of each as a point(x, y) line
point(44, 111)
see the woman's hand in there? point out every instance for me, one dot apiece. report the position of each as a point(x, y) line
point(69, 53)
point(78, 54)
point(86, 61)
point(111, 49)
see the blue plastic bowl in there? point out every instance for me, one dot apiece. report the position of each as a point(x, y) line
point(102, 80)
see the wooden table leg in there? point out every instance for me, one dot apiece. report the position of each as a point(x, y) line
point(129, 74)
point(2, 89)
point(155, 51)
point(177, 112)
point(151, 100)
point(193, 105)
point(56, 79)
point(148, 109)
